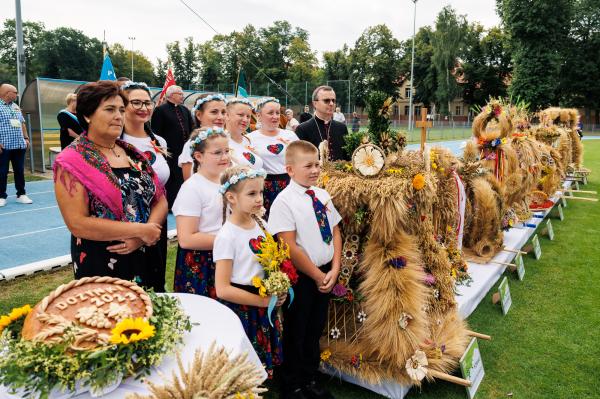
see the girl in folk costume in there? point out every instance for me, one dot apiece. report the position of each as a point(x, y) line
point(270, 142)
point(199, 213)
point(137, 132)
point(235, 249)
point(239, 113)
point(209, 112)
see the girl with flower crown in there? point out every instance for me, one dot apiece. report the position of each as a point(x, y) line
point(209, 111)
point(235, 250)
point(199, 212)
point(237, 119)
point(270, 142)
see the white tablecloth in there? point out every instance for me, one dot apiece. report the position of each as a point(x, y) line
point(216, 322)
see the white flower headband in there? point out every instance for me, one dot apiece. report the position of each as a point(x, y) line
point(260, 103)
point(210, 97)
point(130, 83)
point(203, 135)
point(233, 180)
point(240, 100)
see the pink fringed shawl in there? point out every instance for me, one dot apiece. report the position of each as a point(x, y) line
point(89, 167)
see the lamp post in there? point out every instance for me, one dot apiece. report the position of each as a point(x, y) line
point(132, 38)
point(21, 82)
point(412, 71)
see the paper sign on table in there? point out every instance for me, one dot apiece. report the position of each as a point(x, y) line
point(520, 266)
point(505, 298)
point(471, 367)
point(537, 249)
point(561, 214)
point(550, 230)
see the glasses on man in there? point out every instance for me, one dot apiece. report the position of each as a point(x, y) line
point(139, 104)
point(218, 154)
point(328, 100)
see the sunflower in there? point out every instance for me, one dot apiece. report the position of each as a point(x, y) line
point(368, 160)
point(14, 315)
point(258, 283)
point(130, 330)
point(418, 181)
point(17, 313)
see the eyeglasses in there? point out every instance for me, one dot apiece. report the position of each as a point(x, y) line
point(219, 154)
point(138, 104)
point(328, 100)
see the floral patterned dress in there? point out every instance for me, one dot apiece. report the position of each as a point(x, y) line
point(91, 258)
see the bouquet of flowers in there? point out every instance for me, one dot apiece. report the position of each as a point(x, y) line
point(280, 273)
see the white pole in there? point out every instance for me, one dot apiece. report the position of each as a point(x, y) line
point(412, 71)
point(20, 52)
point(132, 39)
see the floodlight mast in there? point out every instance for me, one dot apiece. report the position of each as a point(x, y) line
point(21, 83)
point(412, 71)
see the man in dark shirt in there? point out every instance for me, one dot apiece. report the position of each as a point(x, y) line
point(322, 126)
point(304, 116)
point(67, 120)
point(173, 122)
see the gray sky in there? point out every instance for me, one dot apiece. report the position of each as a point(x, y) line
point(331, 23)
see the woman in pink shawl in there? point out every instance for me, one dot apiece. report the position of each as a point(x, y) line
point(108, 194)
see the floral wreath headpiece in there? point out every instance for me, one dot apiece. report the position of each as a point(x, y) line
point(235, 179)
point(203, 135)
point(134, 85)
point(261, 103)
point(240, 100)
point(210, 97)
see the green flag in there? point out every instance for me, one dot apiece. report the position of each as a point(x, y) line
point(241, 86)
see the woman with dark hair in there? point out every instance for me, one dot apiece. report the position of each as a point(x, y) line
point(209, 111)
point(108, 194)
point(67, 120)
point(138, 133)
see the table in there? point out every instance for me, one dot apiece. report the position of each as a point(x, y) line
point(216, 323)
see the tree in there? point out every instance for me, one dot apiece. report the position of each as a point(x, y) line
point(447, 41)
point(538, 36)
point(32, 35)
point(121, 60)
point(580, 86)
point(485, 65)
point(374, 63)
point(67, 53)
point(336, 64)
point(425, 79)
point(185, 64)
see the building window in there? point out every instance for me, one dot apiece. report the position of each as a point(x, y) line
point(457, 110)
point(406, 110)
point(407, 92)
point(395, 110)
point(417, 111)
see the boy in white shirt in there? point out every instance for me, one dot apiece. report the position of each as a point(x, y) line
point(304, 217)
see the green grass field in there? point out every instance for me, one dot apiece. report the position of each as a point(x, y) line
point(547, 345)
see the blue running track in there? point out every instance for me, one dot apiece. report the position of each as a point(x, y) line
point(31, 233)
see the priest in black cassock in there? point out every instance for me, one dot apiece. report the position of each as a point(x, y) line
point(322, 126)
point(173, 122)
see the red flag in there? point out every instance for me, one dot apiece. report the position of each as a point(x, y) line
point(169, 81)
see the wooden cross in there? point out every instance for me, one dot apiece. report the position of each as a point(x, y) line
point(423, 124)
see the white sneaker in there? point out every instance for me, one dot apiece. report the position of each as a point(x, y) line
point(2, 201)
point(24, 199)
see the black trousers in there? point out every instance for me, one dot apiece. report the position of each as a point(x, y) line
point(303, 326)
point(17, 158)
point(154, 275)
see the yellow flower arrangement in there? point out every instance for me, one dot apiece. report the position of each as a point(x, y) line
point(257, 282)
point(130, 330)
point(272, 253)
point(325, 355)
point(14, 315)
point(418, 181)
